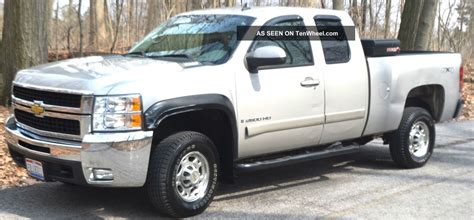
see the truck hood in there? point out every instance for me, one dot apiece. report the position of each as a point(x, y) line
point(96, 74)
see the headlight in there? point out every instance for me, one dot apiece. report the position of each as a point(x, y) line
point(117, 113)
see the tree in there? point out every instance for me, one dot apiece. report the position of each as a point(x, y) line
point(425, 24)
point(152, 15)
point(99, 24)
point(81, 35)
point(1, 20)
point(409, 24)
point(229, 3)
point(364, 15)
point(471, 29)
point(25, 40)
point(338, 4)
point(354, 12)
point(388, 9)
point(118, 16)
point(131, 20)
point(56, 25)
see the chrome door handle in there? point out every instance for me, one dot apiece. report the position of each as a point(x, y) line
point(310, 82)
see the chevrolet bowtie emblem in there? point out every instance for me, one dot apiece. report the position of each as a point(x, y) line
point(37, 109)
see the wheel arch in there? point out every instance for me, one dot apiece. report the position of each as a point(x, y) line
point(210, 114)
point(430, 97)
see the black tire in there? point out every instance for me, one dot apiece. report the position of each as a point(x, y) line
point(400, 139)
point(165, 160)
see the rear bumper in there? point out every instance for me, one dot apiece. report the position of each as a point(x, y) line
point(125, 154)
point(459, 108)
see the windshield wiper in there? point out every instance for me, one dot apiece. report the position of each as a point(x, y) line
point(171, 56)
point(135, 53)
point(176, 55)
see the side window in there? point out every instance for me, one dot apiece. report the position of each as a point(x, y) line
point(335, 48)
point(298, 52)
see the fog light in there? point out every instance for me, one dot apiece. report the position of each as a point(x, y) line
point(102, 174)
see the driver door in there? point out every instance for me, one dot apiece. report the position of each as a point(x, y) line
point(281, 107)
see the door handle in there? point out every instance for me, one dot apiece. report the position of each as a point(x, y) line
point(308, 82)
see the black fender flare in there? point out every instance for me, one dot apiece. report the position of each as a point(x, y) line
point(159, 111)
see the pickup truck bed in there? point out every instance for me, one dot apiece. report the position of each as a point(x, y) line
point(409, 74)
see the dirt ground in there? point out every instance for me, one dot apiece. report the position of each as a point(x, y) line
point(468, 91)
point(12, 175)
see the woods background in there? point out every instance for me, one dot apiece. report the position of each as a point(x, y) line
point(112, 26)
point(38, 31)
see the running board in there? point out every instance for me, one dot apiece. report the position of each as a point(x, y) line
point(298, 158)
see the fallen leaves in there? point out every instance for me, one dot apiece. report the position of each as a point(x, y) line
point(10, 173)
point(468, 91)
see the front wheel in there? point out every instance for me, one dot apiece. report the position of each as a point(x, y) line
point(412, 144)
point(183, 174)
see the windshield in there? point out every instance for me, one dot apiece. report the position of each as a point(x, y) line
point(203, 38)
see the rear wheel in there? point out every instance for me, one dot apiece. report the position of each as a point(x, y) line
point(412, 144)
point(183, 174)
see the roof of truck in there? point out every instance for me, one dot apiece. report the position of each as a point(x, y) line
point(265, 12)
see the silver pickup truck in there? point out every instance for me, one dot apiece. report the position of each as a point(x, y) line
point(191, 104)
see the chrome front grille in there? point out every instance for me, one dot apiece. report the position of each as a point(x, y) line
point(52, 114)
point(58, 125)
point(50, 98)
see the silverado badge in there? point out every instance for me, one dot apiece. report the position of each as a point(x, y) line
point(37, 109)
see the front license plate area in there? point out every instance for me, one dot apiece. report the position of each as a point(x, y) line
point(35, 168)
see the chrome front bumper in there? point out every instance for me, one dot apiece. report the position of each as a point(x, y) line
point(125, 154)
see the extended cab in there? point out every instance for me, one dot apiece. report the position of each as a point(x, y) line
point(192, 103)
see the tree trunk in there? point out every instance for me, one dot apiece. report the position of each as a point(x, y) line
point(99, 25)
point(323, 4)
point(1, 23)
point(338, 5)
point(355, 13)
point(229, 3)
point(364, 15)
point(56, 28)
point(471, 30)
point(25, 44)
point(409, 24)
point(425, 24)
point(388, 9)
point(152, 15)
point(81, 34)
point(371, 16)
point(399, 11)
point(118, 16)
point(131, 21)
point(194, 5)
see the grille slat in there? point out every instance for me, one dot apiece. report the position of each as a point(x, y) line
point(57, 125)
point(51, 98)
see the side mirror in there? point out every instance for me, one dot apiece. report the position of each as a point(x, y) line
point(265, 56)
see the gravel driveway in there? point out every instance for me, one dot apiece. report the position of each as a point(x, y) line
point(366, 185)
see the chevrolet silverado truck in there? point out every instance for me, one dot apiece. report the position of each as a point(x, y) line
point(191, 104)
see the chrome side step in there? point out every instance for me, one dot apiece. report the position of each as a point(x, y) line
point(297, 158)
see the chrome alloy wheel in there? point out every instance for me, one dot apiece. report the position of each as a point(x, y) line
point(192, 176)
point(419, 139)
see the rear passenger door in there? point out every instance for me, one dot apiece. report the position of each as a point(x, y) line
point(346, 82)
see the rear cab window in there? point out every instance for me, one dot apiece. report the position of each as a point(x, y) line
point(336, 48)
